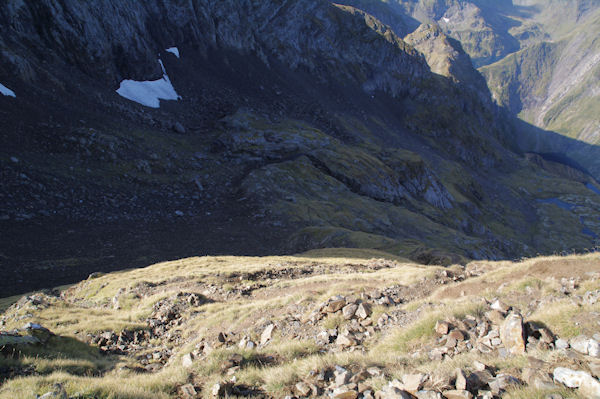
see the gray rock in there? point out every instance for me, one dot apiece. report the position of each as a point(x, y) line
point(302, 389)
point(499, 306)
point(461, 380)
point(188, 391)
point(588, 385)
point(580, 344)
point(502, 382)
point(593, 348)
point(428, 395)
point(457, 394)
point(267, 334)
point(561, 343)
point(348, 311)
point(391, 392)
point(187, 360)
point(341, 375)
point(512, 334)
point(442, 327)
point(58, 392)
point(345, 340)
point(413, 382)
point(363, 311)
point(178, 128)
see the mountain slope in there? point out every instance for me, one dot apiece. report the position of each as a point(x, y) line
point(301, 124)
point(554, 84)
point(332, 322)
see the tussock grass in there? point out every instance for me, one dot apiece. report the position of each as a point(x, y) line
point(285, 361)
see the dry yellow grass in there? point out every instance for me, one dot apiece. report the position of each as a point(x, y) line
point(89, 309)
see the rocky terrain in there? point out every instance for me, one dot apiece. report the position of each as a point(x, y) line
point(330, 323)
point(294, 125)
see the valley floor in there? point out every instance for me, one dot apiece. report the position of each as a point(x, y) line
point(330, 323)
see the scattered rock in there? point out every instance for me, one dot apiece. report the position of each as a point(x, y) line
point(58, 392)
point(428, 395)
point(335, 305)
point(348, 311)
point(561, 343)
point(187, 360)
point(413, 382)
point(267, 334)
point(302, 389)
point(457, 394)
point(345, 341)
point(391, 392)
point(363, 311)
point(461, 380)
point(442, 327)
point(501, 383)
point(512, 334)
point(188, 391)
point(499, 306)
point(178, 128)
point(580, 344)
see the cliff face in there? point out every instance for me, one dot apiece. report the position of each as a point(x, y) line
point(290, 125)
point(116, 40)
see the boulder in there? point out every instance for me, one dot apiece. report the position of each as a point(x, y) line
point(188, 391)
point(588, 386)
point(457, 394)
point(501, 383)
point(187, 360)
point(414, 382)
point(267, 334)
point(344, 393)
point(341, 375)
point(58, 392)
point(561, 344)
point(178, 128)
point(477, 365)
point(593, 348)
point(335, 305)
point(428, 395)
point(512, 334)
point(345, 340)
point(580, 344)
point(499, 306)
point(348, 311)
point(363, 311)
point(391, 392)
point(302, 389)
point(457, 335)
point(461, 380)
point(442, 327)
point(478, 380)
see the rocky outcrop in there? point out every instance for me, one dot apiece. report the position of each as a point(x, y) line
point(116, 40)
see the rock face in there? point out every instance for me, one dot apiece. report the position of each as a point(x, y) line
point(512, 334)
point(117, 31)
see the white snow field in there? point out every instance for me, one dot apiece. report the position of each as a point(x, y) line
point(173, 50)
point(6, 91)
point(149, 92)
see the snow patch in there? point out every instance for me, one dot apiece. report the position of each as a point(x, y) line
point(446, 20)
point(6, 91)
point(149, 93)
point(173, 50)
